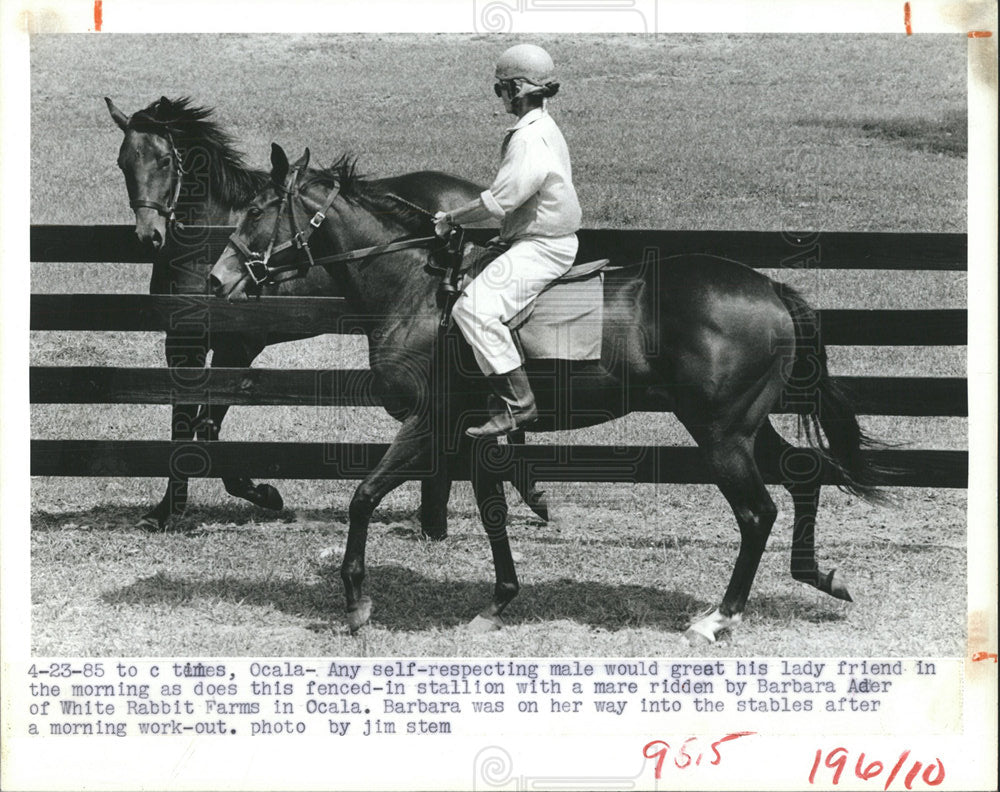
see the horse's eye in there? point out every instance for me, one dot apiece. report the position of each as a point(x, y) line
point(164, 162)
point(253, 212)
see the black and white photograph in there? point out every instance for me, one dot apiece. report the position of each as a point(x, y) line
point(499, 346)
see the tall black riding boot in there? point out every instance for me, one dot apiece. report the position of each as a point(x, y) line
point(518, 402)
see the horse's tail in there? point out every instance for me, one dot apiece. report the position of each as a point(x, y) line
point(822, 404)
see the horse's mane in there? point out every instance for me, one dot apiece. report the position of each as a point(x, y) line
point(357, 189)
point(233, 183)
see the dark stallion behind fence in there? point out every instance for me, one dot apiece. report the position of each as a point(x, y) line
point(718, 342)
point(182, 170)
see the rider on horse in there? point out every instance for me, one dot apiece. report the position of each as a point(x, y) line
point(534, 200)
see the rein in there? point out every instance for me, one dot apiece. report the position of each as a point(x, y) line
point(258, 266)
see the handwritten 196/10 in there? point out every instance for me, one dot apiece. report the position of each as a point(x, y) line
point(689, 754)
point(837, 761)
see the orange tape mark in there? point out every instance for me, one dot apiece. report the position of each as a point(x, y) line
point(980, 33)
point(98, 15)
point(906, 19)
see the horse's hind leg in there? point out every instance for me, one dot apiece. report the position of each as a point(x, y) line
point(736, 473)
point(235, 353)
point(492, 503)
point(728, 440)
point(800, 471)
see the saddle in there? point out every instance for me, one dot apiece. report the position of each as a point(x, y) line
point(564, 322)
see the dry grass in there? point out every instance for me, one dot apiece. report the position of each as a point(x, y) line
point(761, 132)
point(621, 572)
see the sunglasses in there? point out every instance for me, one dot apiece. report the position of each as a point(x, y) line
point(500, 87)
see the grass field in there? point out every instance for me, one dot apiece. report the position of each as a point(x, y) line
point(739, 132)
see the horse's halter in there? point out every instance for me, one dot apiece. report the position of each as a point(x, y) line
point(170, 210)
point(257, 264)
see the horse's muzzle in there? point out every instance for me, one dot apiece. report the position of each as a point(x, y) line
point(215, 287)
point(235, 290)
point(228, 276)
point(150, 228)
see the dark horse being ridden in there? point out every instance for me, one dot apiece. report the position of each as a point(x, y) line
point(722, 341)
point(182, 170)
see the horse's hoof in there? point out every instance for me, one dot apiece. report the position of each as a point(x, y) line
point(358, 616)
point(267, 497)
point(836, 587)
point(485, 624)
point(150, 522)
point(538, 503)
point(705, 631)
point(434, 534)
point(695, 639)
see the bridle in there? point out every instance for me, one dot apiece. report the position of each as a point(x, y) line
point(262, 272)
point(170, 210)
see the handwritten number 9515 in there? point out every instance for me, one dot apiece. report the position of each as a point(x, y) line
point(687, 755)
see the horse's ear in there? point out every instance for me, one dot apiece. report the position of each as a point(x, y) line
point(119, 117)
point(279, 164)
point(302, 162)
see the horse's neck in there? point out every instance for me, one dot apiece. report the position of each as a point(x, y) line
point(390, 285)
point(206, 211)
point(220, 189)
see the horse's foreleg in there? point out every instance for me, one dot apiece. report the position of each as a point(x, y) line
point(526, 486)
point(434, 494)
point(492, 502)
point(801, 471)
point(180, 353)
point(236, 353)
point(409, 457)
point(264, 495)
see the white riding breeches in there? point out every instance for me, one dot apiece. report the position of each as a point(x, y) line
point(506, 286)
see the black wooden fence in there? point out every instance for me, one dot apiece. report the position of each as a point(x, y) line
point(902, 396)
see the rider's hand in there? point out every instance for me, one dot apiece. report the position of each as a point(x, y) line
point(442, 224)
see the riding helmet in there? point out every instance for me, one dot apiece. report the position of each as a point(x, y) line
point(528, 63)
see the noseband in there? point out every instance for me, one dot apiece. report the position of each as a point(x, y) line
point(262, 272)
point(169, 211)
point(257, 264)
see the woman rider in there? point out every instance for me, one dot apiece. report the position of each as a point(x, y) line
point(534, 200)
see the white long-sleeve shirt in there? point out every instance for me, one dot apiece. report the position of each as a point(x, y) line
point(533, 193)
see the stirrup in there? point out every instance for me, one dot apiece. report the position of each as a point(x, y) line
point(494, 426)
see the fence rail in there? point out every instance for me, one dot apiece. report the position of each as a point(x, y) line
point(300, 315)
point(583, 463)
point(895, 396)
point(914, 396)
point(760, 249)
